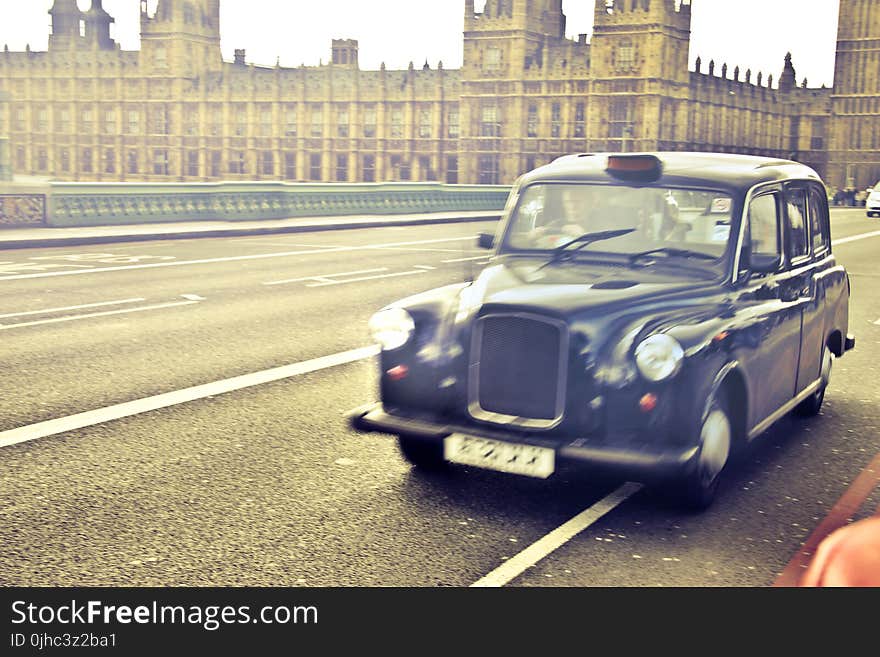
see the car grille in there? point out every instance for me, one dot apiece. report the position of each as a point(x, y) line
point(519, 371)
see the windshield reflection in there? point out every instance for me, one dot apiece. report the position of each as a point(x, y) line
point(550, 215)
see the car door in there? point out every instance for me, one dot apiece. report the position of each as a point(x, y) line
point(772, 319)
point(807, 248)
point(814, 283)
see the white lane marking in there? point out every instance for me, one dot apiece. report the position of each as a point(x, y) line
point(239, 241)
point(517, 565)
point(259, 256)
point(482, 257)
point(70, 318)
point(324, 277)
point(877, 322)
point(426, 267)
point(58, 310)
point(316, 246)
point(863, 236)
point(127, 409)
point(365, 278)
point(413, 248)
point(193, 297)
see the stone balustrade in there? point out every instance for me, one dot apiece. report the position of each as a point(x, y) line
point(97, 204)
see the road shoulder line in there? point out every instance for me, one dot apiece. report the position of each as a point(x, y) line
point(164, 400)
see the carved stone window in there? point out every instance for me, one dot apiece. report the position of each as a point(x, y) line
point(425, 123)
point(317, 128)
point(490, 125)
point(369, 171)
point(452, 125)
point(290, 122)
point(579, 120)
point(110, 121)
point(342, 122)
point(555, 120)
point(396, 123)
point(532, 121)
point(626, 55)
point(492, 60)
point(370, 122)
point(192, 164)
point(160, 162)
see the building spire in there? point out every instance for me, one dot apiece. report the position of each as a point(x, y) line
point(65, 23)
point(97, 24)
point(787, 81)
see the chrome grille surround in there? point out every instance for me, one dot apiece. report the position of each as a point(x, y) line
point(560, 377)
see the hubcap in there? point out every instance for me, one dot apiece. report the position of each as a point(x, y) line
point(715, 438)
point(827, 360)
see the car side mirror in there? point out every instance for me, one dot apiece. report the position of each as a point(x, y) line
point(486, 241)
point(764, 263)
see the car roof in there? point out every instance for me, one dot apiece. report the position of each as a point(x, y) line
point(727, 171)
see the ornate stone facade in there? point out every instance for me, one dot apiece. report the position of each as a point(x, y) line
point(174, 111)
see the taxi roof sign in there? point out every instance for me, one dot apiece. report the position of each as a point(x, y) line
point(635, 167)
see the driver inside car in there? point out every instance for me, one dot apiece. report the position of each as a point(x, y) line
point(572, 211)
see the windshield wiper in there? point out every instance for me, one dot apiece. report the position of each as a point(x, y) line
point(561, 253)
point(669, 250)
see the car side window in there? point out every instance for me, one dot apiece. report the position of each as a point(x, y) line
point(761, 237)
point(796, 212)
point(819, 226)
point(763, 226)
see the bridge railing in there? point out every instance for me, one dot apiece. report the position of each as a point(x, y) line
point(97, 204)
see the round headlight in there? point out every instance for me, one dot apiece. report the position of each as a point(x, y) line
point(658, 357)
point(392, 328)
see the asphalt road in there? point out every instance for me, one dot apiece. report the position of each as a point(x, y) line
point(260, 482)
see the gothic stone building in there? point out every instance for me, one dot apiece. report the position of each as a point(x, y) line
point(175, 111)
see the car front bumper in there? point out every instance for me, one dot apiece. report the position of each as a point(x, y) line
point(645, 462)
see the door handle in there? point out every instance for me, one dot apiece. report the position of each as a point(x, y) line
point(789, 294)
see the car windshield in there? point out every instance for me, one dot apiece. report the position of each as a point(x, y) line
point(668, 222)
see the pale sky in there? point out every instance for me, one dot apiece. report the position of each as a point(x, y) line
point(752, 34)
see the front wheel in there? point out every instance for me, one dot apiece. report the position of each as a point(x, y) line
point(424, 454)
point(699, 488)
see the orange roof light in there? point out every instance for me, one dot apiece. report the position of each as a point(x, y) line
point(635, 167)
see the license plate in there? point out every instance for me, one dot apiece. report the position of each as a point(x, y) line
point(526, 460)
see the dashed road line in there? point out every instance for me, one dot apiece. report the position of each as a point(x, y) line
point(482, 257)
point(65, 308)
point(70, 318)
point(854, 238)
point(365, 278)
point(326, 277)
point(204, 261)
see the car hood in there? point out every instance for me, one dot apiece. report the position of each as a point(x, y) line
point(574, 288)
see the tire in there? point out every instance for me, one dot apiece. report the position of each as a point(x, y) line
point(812, 404)
point(423, 454)
point(699, 488)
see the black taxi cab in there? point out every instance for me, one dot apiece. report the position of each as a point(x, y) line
point(646, 314)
